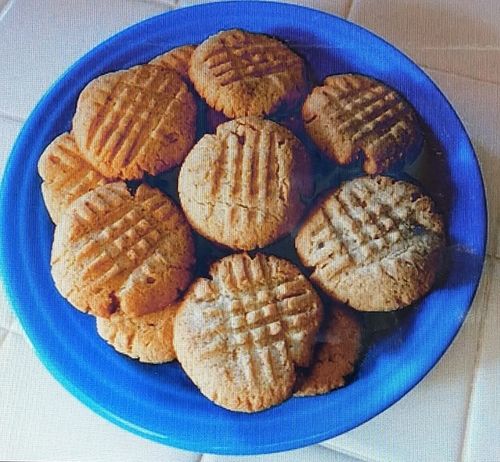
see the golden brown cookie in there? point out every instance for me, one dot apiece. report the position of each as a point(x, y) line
point(137, 121)
point(114, 251)
point(177, 59)
point(244, 186)
point(240, 334)
point(335, 354)
point(65, 174)
point(352, 115)
point(374, 243)
point(242, 74)
point(147, 338)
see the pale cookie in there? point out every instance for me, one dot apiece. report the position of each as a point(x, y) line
point(177, 59)
point(244, 187)
point(352, 116)
point(242, 74)
point(335, 354)
point(240, 335)
point(66, 175)
point(147, 338)
point(114, 251)
point(374, 243)
point(137, 121)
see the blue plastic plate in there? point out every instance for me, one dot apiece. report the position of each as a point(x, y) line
point(159, 402)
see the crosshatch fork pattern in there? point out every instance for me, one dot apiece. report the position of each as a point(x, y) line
point(139, 95)
point(243, 186)
point(365, 112)
point(242, 73)
point(243, 177)
point(240, 335)
point(374, 243)
point(360, 225)
point(133, 121)
point(262, 310)
point(109, 238)
point(66, 175)
point(352, 115)
point(239, 56)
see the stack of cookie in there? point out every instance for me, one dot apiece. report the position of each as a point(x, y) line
point(255, 329)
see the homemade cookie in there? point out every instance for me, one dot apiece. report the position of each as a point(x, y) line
point(374, 243)
point(242, 74)
point(177, 59)
point(65, 174)
point(137, 121)
point(147, 338)
point(114, 251)
point(352, 115)
point(240, 335)
point(335, 354)
point(244, 186)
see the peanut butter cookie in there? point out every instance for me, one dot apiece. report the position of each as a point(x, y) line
point(114, 251)
point(240, 334)
point(177, 59)
point(246, 74)
point(137, 121)
point(66, 175)
point(335, 354)
point(374, 243)
point(244, 186)
point(352, 116)
point(148, 338)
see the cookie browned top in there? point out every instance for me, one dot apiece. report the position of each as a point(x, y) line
point(177, 59)
point(374, 243)
point(335, 355)
point(113, 251)
point(137, 121)
point(240, 334)
point(65, 174)
point(241, 74)
point(352, 115)
point(244, 186)
point(148, 338)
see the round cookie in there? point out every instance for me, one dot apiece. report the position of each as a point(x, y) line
point(244, 186)
point(177, 59)
point(114, 251)
point(374, 243)
point(147, 338)
point(352, 116)
point(141, 120)
point(65, 174)
point(335, 355)
point(240, 334)
point(243, 74)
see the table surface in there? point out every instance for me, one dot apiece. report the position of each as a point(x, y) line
point(452, 415)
